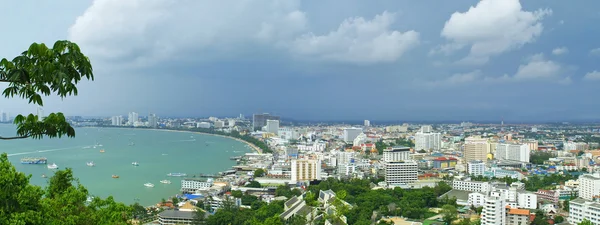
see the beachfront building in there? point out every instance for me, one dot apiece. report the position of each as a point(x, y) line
point(194, 185)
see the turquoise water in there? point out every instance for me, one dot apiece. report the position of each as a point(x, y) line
point(157, 152)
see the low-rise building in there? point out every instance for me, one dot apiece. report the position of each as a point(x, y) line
point(172, 217)
point(194, 185)
point(515, 216)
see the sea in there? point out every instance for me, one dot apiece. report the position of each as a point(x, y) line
point(158, 152)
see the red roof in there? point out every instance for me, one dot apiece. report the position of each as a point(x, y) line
point(367, 144)
point(445, 159)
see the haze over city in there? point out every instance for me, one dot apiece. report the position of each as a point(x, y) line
point(323, 60)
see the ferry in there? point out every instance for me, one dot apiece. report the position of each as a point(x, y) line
point(115, 176)
point(149, 185)
point(34, 160)
point(53, 166)
point(90, 163)
point(177, 174)
point(165, 181)
point(135, 163)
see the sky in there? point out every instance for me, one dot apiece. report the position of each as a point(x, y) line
point(400, 60)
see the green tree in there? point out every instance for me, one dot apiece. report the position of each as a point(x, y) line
point(253, 184)
point(175, 200)
point(259, 172)
point(566, 204)
point(540, 218)
point(585, 222)
point(449, 213)
point(42, 71)
point(559, 219)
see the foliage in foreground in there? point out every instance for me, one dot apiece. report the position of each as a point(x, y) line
point(42, 71)
point(63, 201)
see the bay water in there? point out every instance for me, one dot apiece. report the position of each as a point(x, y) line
point(158, 153)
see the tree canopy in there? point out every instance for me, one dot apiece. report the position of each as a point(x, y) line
point(42, 71)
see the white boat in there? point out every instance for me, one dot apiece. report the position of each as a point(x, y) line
point(165, 181)
point(53, 166)
point(135, 163)
point(149, 185)
point(177, 174)
point(90, 163)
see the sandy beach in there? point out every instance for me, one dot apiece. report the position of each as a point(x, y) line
point(257, 149)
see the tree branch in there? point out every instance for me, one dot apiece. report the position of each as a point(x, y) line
point(13, 138)
point(4, 80)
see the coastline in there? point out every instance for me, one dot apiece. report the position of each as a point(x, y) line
point(256, 148)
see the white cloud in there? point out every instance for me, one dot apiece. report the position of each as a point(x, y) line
point(456, 79)
point(560, 51)
point(490, 28)
point(150, 30)
point(595, 51)
point(358, 40)
point(594, 75)
point(538, 68)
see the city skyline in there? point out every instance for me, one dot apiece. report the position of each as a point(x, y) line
point(390, 60)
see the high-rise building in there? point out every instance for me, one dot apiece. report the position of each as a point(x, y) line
point(117, 120)
point(152, 121)
point(512, 152)
point(219, 124)
point(367, 123)
point(272, 126)
point(40, 113)
point(133, 118)
point(260, 120)
point(395, 154)
point(351, 133)
point(401, 173)
point(589, 186)
point(475, 168)
point(476, 148)
point(306, 170)
point(494, 209)
point(4, 117)
point(427, 140)
point(426, 129)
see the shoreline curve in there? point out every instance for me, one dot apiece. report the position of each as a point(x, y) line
point(256, 148)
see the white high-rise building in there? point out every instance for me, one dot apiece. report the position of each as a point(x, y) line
point(351, 133)
point(475, 168)
point(494, 209)
point(512, 152)
point(401, 173)
point(428, 141)
point(40, 113)
point(152, 121)
point(272, 126)
point(396, 154)
point(306, 170)
point(4, 117)
point(117, 120)
point(132, 119)
point(367, 123)
point(426, 129)
point(589, 186)
point(219, 124)
point(476, 148)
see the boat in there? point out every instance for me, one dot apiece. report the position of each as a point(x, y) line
point(177, 174)
point(90, 163)
point(115, 176)
point(165, 181)
point(149, 185)
point(44, 176)
point(53, 166)
point(131, 144)
point(135, 163)
point(34, 160)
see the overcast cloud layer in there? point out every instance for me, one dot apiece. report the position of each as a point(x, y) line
point(333, 60)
